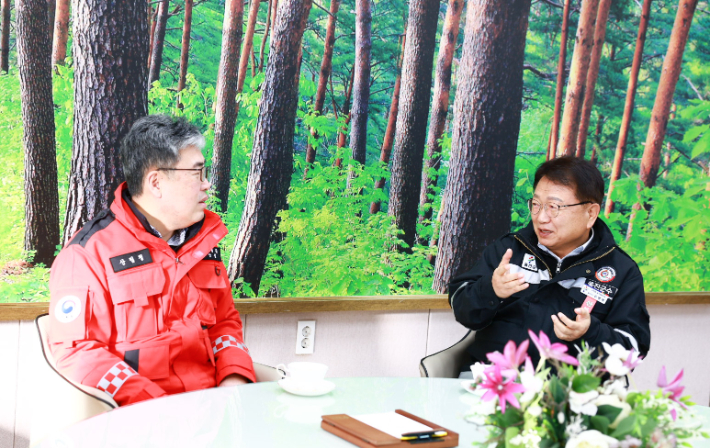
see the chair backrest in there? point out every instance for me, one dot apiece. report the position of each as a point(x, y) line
point(267, 373)
point(59, 402)
point(446, 363)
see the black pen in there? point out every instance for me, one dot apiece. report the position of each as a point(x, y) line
point(422, 435)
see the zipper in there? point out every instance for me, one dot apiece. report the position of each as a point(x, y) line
point(451, 303)
point(590, 260)
point(559, 264)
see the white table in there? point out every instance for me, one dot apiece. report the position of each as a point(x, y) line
point(263, 415)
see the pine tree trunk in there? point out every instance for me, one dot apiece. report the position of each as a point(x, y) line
point(272, 154)
point(110, 94)
point(559, 89)
point(578, 78)
point(185, 50)
point(34, 62)
point(597, 139)
point(388, 139)
point(51, 9)
point(410, 133)
point(592, 74)
point(664, 95)
point(156, 58)
point(628, 106)
point(266, 36)
point(248, 43)
point(152, 20)
point(342, 136)
point(361, 85)
point(487, 110)
point(61, 33)
point(325, 70)
point(5, 40)
point(440, 107)
point(226, 102)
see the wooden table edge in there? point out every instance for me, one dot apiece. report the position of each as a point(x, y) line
point(30, 310)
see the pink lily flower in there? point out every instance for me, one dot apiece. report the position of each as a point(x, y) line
point(674, 387)
point(511, 358)
point(552, 351)
point(633, 360)
point(504, 389)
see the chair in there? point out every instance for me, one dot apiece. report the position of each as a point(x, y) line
point(61, 402)
point(446, 363)
point(267, 373)
point(72, 402)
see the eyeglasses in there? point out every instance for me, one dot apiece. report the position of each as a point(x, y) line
point(552, 209)
point(204, 171)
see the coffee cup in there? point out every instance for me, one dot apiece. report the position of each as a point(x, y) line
point(304, 371)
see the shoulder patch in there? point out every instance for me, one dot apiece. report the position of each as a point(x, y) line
point(214, 255)
point(100, 222)
point(131, 260)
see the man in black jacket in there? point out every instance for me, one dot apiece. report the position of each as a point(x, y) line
point(562, 274)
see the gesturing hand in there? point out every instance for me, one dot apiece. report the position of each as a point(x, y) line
point(571, 330)
point(506, 284)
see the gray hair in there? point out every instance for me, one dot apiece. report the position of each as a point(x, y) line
point(155, 141)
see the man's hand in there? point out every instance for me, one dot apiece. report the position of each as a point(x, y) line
point(233, 380)
point(506, 284)
point(571, 330)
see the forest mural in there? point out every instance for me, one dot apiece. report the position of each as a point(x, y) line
point(361, 147)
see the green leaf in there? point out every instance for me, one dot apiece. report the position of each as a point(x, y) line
point(694, 133)
point(509, 434)
point(610, 412)
point(625, 427)
point(600, 423)
point(585, 383)
point(648, 427)
point(701, 147)
point(558, 392)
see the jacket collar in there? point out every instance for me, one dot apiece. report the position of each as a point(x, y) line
point(602, 241)
point(133, 220)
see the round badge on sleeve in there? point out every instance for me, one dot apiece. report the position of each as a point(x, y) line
point(605, 274)
point(67, 309)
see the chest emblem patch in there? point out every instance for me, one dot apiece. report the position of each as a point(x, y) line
point(605, 274)
point(67, 309)
point(529, 262)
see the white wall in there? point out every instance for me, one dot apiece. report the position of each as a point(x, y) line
point(368, 343)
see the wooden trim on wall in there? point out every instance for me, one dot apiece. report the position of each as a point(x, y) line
point(28, 311)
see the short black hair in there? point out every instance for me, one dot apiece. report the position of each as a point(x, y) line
point(155, 141)
point(580, 175)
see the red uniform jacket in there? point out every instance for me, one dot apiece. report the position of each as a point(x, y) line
point(132, 317)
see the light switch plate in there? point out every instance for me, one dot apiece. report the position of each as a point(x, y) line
point(305, 337)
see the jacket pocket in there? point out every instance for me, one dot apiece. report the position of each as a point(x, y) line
point(152, 362)
point(134, 296)
point(207, 276)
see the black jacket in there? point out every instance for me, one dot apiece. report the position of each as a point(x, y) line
point(623, 317)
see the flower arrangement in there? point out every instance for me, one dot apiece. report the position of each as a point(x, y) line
point(583, 403)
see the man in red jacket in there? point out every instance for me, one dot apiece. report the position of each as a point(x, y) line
point(140, 301)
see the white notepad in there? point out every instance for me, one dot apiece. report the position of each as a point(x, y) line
point(392, 423)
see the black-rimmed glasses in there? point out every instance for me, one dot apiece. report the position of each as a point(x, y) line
point(552, 209)
point(204, 171)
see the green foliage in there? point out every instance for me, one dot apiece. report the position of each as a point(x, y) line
point(29, 287)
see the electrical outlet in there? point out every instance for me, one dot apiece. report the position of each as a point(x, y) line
point(305, 337)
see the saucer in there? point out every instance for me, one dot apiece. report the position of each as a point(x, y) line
point(469, 386)
point(306, 388)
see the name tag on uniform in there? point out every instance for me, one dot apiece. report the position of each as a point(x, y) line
point(594, 294)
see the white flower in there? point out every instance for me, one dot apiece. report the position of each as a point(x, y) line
point(575, 427)
point(533, 386)
point(561, 418)
point(616, 387)
point(535, 410)
point(616, 357)
point(528, 438)
point(591, 439)
point(614, 400)
point(479, 411)
point(478, 371)
point(582, 403)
